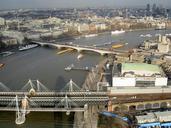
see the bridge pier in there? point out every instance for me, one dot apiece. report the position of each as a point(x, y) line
point(80, 117)
point(79, 50)
point(88, 118)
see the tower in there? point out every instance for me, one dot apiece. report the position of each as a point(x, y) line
point(148, 10)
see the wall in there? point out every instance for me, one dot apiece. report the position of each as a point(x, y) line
point(122, 81)
point(161, 81)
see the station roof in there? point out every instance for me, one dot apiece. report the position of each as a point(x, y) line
point(154, 117)
point(141, 67)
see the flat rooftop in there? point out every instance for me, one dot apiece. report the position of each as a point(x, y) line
point(155, 69)
point(154, 117)
point(141, 66)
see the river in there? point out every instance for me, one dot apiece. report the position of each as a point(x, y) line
point(47, 66)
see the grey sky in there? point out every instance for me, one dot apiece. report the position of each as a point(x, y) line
point(8, 4)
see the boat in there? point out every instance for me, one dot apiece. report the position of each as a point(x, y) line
point(105, 44)
point(141, 35)
point(117, 32)
point(2, 65)
point(7, 53)
point(91, 35)
point(68, 68)
point(80, 56)
point(108, 43)
point(169, 34)
point(147, 35)
point(119, 45)
point(26, 47)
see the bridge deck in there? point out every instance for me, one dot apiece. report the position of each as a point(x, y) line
point(54, 93)
point(45, 109)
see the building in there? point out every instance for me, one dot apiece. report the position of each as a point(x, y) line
point(83, 28)
point(2, 21)
point(138, 75)
point(9, 41)
point(155, 120)
point(164, 45)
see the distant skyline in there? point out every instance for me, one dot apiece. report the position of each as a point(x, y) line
point(14, 4)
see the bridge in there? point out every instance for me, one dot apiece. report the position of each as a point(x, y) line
point(35, 97)
point(80, 48)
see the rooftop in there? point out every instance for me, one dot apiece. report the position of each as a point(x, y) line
point(141, 67)
point(154, 117)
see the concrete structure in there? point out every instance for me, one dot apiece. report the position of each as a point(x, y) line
point(139, 74)
point(81, 48)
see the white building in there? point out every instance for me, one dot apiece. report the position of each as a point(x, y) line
point(164, 45)
point(139, 75)
point(100, 26)
point(2, 21)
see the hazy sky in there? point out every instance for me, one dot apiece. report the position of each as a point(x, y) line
point(8, 4)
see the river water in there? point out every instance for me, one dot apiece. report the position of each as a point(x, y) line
point(47, 66)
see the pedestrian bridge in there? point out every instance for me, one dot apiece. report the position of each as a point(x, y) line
point(81, 48)
point(35, 97)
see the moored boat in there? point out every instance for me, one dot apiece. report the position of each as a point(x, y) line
point(119, 45)
point(91, 35)
point(117, 32)
point(7, 53)
point(26, 47)
point(147, 35)
point(2, 65)
point(68, 68)
point(80, 56)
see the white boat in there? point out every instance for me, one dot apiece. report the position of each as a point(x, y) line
point(7, 53)
point(91, 35)
point(68, 68)
point(80, 56)
point(142, 35)
point(117, 32)
point(26, 47)
point(147, 35)
point(169, 34)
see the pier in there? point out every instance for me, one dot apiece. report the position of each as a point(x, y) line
point(72, 67)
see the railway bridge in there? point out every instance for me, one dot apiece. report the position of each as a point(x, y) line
point(35, 97)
